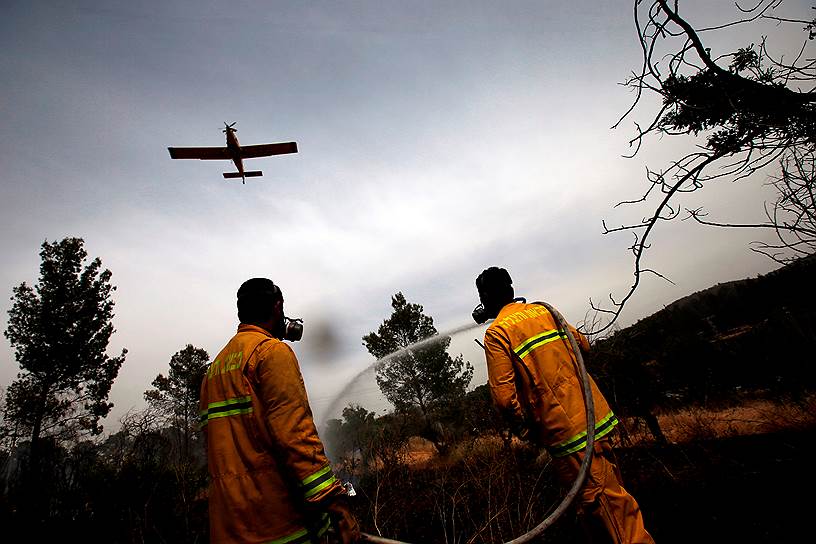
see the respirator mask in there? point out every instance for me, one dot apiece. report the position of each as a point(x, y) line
point(292, 329)
point(481, 315)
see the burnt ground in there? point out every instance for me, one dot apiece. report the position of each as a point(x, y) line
point(754, 488)
point(722, 479)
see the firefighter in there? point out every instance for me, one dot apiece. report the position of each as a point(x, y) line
point(270, 480)
point(535, 384)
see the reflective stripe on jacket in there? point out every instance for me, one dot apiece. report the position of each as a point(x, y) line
point(265, 458)
point(533, 378)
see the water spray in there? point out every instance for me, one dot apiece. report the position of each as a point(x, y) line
point(589, 404)
point(438, 337)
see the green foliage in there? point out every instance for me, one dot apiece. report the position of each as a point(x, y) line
point(357, 424)
point(424, 376)
point(758, 111)
point(177, 394)
point(351, 434)
point(755, 103)
point(60, 331)
point(477, 416)
point(739, 109)
point(745, 58)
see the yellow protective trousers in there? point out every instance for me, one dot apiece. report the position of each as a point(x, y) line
point(603, 504)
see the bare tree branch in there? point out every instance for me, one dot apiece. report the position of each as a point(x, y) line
point(750, 117)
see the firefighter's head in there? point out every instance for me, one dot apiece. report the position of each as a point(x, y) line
point(495, 291)
point(260, 302)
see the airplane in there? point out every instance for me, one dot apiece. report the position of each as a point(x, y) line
point(235, 152)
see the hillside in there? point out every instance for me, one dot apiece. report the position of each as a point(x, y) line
point(745, 338)
point(740, 302)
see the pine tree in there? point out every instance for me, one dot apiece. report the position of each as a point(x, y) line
point(176, 395)
point(60, 331)
point(427, 377)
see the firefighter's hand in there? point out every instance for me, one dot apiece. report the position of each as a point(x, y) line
point(526, 431)
point(517, 426)
point(343, 521)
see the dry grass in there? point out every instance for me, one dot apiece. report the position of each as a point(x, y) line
point(752, 417)
point(419, 451)
point(487, 491)
point(686, 425)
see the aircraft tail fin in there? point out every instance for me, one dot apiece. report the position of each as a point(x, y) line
point(250, 174)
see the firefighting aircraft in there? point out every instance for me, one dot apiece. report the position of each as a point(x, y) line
point(235, 152)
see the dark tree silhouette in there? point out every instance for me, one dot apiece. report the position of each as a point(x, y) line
point(755, 111)
point(175, 402)
point(60, 331)
point(176, 395)
point(792, 216)
point(423, 377)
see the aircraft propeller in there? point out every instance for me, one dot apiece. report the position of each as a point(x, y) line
point(229, 127)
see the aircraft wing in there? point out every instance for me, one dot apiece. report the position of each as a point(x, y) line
point(264, 150)
point(202, 153)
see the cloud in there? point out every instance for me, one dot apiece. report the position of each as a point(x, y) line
point(434, 142)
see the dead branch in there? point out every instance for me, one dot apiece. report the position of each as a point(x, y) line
point(749, 115)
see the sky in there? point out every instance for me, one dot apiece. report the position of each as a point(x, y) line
point(435, 139)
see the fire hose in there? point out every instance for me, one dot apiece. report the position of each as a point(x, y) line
point(590, 439)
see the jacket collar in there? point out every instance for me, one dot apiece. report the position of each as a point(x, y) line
point(243, 327)
point(508, 308)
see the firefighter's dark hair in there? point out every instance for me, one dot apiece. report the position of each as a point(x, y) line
point(256, 300)
point(496, 283)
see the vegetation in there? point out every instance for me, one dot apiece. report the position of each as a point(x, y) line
point(143, 483)
point(752, 115)
point(424, 377)
point(60, 331)
point(60, 478)
point(675, 371)
point(175, 403)
point(176, 397)
point(681, 371)
point(739, 339)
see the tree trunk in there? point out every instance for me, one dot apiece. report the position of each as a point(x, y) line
point(34, 496)
point(654, 427)
point(39, 413)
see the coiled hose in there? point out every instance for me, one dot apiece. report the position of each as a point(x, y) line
point(589, 403)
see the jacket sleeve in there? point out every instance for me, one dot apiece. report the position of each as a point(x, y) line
point(501, 377)
point(290, 423)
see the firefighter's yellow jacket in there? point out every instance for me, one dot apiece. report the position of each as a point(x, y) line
point(268, 470)
point(533, 378)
